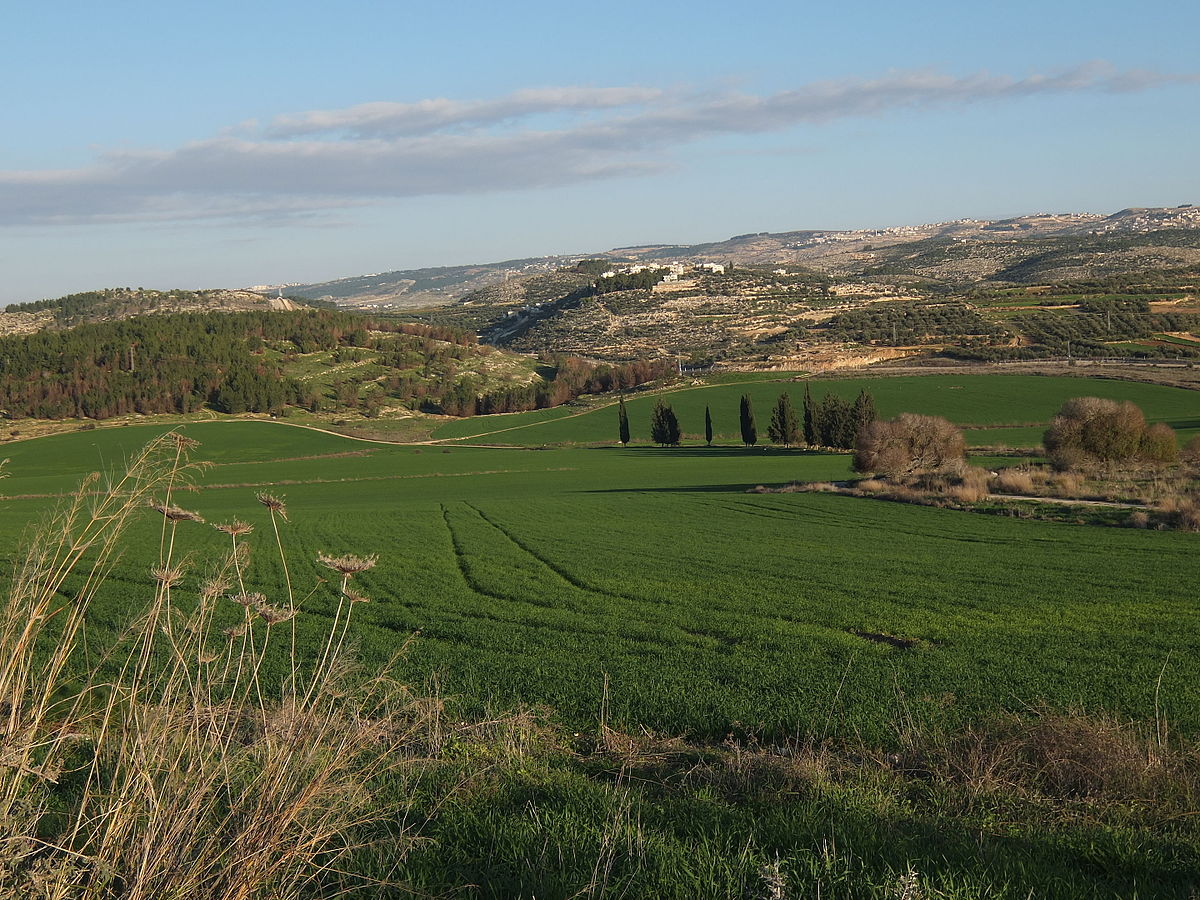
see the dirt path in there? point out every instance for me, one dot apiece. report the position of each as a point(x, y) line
point(1062, 501)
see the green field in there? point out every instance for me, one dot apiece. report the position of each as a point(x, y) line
point(646, 588)
point(533, 575)
point(1014, 400)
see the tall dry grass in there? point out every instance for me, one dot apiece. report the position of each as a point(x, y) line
point(180, 775)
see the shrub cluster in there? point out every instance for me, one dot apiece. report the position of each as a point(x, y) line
point(909, 444)
point(1093, 429)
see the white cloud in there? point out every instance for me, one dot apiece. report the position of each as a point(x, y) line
point(530, 139)
point(425, 116)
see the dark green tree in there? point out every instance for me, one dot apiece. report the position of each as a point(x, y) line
point(862, 413)
point(833, 424)
point(749, 431)
point(785, 426)
point(810, 429)
point(623, 421)
point(664, 426)
point(708, 434)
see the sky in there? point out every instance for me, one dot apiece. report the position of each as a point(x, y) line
point(227, 144)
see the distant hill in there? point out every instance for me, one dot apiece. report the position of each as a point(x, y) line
point(1040, 247)
point(424, 287)
point(114, 304)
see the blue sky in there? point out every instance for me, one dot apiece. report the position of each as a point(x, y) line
point(226, 144)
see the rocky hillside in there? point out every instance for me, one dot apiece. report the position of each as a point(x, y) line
point(1027, 249)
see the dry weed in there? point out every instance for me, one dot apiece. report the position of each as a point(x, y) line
point(188, 779)
point(1013, 481)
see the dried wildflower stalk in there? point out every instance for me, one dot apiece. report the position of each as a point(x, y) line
point(190, 781)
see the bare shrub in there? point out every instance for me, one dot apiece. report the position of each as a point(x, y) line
point(1091, 429)
point(1159, 444)
point(1191, 452)
point(909, 444)
point(1139, 518)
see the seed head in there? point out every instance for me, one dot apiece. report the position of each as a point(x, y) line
point(167, 575)
point(215, 587)
point(206, 658)
point(355, 596)
point(183, 442)
point(348, 564)
point(273, 615)
point(175, 514)
point(274, 504)
point(234, 631)
point(249, 599)
point(236, 528)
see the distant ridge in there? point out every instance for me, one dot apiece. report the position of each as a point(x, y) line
point(832, 251)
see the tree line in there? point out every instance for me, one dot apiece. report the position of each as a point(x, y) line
point(163, 364)
point(830, 422)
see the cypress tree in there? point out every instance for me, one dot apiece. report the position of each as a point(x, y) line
point(810, 425)
point(623, 422)
point(707, 426)
point(862, 413)
point(749, 432)
point(664, 426)
point(785, 427)
point(833, 423)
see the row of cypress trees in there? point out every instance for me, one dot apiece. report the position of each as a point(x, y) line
point(830, 422)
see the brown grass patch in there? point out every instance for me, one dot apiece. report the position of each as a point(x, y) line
point(1013, 481)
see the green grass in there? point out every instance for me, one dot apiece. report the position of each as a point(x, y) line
point(967, 400)
point(532, 575)
point(649, 583)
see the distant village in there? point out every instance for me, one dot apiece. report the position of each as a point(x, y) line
point(674, 270)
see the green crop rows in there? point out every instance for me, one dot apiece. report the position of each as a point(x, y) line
point(537, 576)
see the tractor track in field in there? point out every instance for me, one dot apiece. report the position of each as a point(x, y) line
point(809, 515)
point(570, 578)
point(715, 641)
point(464, 568)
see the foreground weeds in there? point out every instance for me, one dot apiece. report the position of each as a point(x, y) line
point(180, 775)
point(1040, 805)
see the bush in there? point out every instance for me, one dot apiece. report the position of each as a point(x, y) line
point(1159, 444)
point(1181, 512)
point(1093, 429)
point(1068, 484)
point(908, 445)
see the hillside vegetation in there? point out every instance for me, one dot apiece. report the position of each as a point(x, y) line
point(280, 362)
